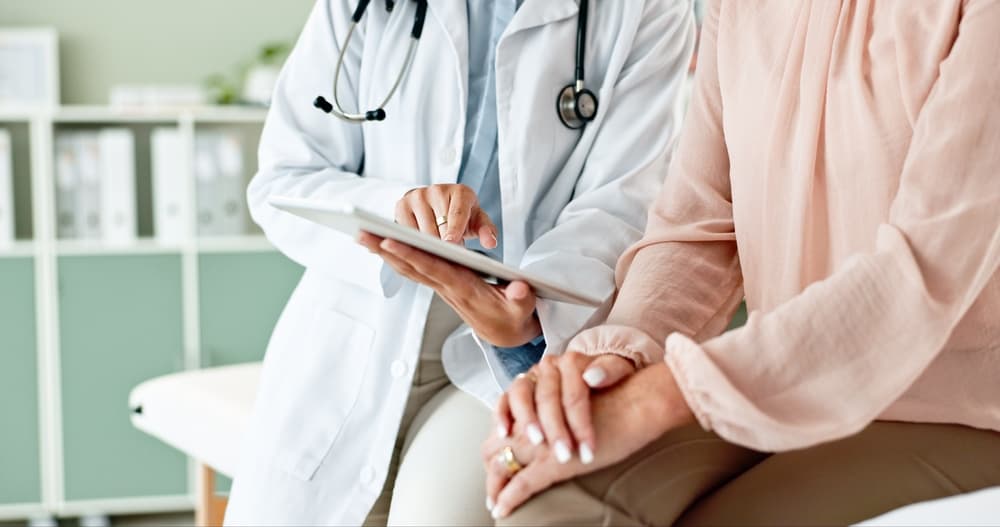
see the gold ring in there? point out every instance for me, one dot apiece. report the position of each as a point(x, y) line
point(530, 375)
point(441, 220)
point(507, 460)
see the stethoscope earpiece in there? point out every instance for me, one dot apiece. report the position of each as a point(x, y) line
point(323, 104)
point(375, 115)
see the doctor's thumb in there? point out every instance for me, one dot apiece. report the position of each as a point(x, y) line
point(521, 294)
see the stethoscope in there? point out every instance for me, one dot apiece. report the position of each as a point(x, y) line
point(575, 105)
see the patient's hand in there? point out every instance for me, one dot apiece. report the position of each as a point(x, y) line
point(551, 402)
point(626, 418)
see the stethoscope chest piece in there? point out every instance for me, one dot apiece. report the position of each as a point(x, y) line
point(576, 107)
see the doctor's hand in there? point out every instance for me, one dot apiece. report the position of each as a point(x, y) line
point(449, 212)
point(502, 315)
point(551, 402)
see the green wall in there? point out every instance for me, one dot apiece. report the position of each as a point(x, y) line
point(108, 42)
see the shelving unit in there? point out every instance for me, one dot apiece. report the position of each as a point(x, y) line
point(85, 321)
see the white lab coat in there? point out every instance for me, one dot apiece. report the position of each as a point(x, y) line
point(340, 362)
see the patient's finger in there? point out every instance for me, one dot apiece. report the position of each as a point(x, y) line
point(522, 407)
point(497, 476)
point(607, 370)
point(576, 403)
point(548, 404)
point(501, 416)
point(525, 484)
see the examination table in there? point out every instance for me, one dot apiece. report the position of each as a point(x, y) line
point(203, 413)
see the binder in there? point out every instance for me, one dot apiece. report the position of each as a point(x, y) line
point(88, 191)
point(6, 189)
point(117, 185)
point(222, 209)
point(232, 205)
point(207, 178)
point(170, 206)
point(67, 182)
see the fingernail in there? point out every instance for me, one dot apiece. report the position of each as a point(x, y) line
point(535, 435)
point(495, 240)
point(490, 504)
point(497, 513)
point(562, 452)
point(502, 431)
point(586, 454)
point(449, 237)
point(594, 376)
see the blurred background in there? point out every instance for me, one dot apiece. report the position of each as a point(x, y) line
point(128, 131)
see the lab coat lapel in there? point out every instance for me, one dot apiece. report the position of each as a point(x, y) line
point(535, 13)
point(531, 14)
point(453, 17)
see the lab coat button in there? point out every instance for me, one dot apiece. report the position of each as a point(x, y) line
point(397, 368)
point(448, 155)
point(367, 475)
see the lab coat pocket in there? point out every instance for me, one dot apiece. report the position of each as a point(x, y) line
point(332, 365)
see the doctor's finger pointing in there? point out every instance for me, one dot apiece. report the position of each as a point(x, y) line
point(448, 211)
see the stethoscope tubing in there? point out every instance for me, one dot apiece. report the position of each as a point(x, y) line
point(338, 109)
point(568, 105)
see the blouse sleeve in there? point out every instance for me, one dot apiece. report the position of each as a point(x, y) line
point(683, 275)
point(826, 363)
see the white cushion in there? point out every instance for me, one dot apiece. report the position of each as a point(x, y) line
point(202, 413)
point(977, 508)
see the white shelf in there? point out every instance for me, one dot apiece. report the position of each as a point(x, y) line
point(230, 244)
point(47, 253)
point(100, 248)
point(208, 114)
point(18, 249)
point(143, 505)
point(229, 114)
point(236, 244)
point(15, 115)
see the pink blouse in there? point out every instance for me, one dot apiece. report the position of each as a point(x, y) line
point(840, 168)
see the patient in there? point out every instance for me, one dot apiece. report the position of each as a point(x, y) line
point(840, 169)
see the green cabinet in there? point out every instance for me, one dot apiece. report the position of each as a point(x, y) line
point(241, 297)
point(120, 321)
point(20, 473)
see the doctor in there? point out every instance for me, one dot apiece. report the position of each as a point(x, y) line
point(466, 119)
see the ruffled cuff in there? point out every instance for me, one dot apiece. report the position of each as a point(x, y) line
point(677, 346)
point(624, 341)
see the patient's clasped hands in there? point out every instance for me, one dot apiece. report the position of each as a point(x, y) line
point(598, 405)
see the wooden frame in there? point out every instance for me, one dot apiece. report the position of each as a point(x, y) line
point(210, 508)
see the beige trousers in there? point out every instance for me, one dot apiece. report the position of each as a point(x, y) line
point(692, 477)
point(436, 476)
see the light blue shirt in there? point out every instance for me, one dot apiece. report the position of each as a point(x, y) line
point(480, 168)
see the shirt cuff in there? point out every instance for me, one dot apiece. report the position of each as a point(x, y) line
point(624, 341)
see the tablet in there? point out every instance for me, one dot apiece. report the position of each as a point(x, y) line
point(352, 220)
